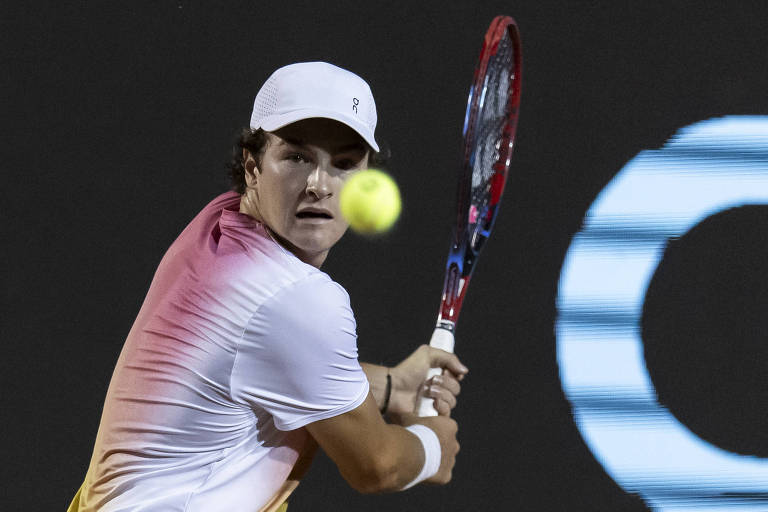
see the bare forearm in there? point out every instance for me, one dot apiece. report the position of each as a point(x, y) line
point(399, 461)
point(377, 378)
point(371, 455)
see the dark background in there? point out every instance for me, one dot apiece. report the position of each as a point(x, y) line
point(117, 120)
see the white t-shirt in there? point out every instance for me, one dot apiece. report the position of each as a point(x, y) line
point(237, 346)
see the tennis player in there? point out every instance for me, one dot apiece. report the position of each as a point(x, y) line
point(243, 357)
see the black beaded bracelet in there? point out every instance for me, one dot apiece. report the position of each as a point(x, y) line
point(387, 393)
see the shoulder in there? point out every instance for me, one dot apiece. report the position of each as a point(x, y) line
point(228, 201)
point(310, 315)
point(314, 298)
point(317, 286)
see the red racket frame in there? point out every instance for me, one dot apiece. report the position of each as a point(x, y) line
point(469, 234)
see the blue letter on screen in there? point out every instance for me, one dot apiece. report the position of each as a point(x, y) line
point(705, 168)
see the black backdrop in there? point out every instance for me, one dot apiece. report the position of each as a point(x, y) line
point(117, 120)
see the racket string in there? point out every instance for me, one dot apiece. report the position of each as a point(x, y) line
point(489, 127)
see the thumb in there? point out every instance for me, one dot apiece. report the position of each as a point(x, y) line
point(441, 359)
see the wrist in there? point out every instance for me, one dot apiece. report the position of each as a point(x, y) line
point(387, 394)
point(377, 379)
point(403, 395)
point(432, 453)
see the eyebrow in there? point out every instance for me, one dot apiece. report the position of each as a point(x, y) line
point(342, 149)
point(350, 147)
point(289, 140)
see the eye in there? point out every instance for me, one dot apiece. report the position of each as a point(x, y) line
point(348, 163)
point(345, 164)
point(296, 158)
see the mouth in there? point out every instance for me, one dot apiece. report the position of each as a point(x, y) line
point(314, 214)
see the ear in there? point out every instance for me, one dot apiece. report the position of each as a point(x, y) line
point(249, 164)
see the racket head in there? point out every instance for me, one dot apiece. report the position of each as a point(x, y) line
point(490, 123)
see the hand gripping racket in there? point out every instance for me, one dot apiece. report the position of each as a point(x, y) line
point(489, 134)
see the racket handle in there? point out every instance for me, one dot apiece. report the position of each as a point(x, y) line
point(443, 339)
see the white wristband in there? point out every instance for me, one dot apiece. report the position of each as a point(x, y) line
point(432, 452)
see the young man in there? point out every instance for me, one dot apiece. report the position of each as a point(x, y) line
point(243, 357)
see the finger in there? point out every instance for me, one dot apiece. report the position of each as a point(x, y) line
point(448, 381)
point(442, 407)
point(439, 402)
point(458, 376)
point(443, 395)
point(441, 359)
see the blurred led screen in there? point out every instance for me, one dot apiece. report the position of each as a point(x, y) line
point(661, 194)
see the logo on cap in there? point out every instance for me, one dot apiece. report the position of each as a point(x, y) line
point(355, 103)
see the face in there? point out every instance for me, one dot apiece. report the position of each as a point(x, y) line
point(295, 190)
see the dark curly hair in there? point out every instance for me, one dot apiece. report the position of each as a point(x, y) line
point(255, 141)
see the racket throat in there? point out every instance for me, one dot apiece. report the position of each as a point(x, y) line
point(455, 287)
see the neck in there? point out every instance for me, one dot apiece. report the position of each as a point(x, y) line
point(316, 259)
point(249, 207)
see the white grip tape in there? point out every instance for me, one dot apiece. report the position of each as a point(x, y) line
point(432, 452)
point(444, 340)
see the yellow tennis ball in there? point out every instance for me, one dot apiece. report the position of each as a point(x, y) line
point(370, 201)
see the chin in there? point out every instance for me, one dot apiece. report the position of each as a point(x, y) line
point(315, 242)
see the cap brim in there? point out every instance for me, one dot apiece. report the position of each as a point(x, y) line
point(273, 123)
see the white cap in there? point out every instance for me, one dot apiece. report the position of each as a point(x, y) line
point(315, 89)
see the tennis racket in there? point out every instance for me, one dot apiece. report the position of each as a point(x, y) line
point(489, 134)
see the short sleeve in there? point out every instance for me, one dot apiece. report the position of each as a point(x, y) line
point(297, 358)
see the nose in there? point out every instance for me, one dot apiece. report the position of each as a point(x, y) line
point(318, 183)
